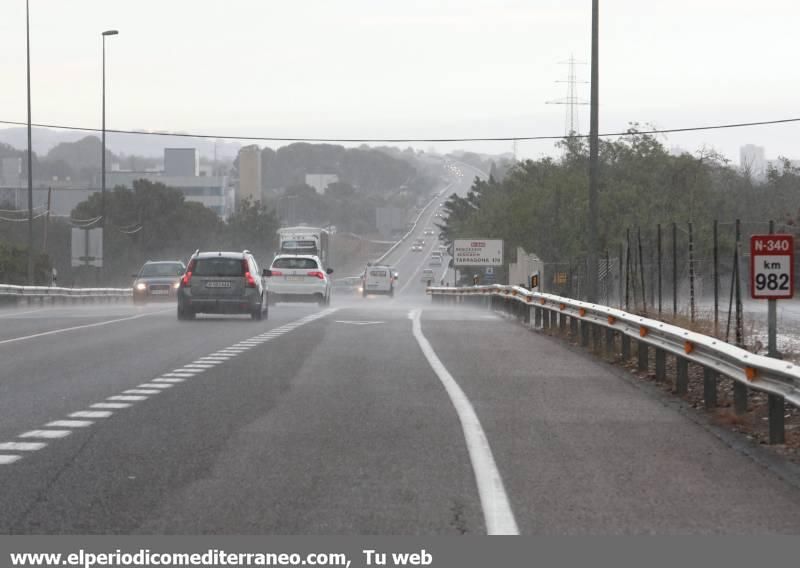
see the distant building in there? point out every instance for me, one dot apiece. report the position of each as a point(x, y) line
point(321, 181)
point(752, 161)
point(11, 171)
point(181, 162)
point(208, 190)
point(249, 173)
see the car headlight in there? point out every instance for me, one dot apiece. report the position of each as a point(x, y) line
point(141, 286)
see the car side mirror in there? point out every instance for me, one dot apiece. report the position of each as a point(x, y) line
point(329, 271)
point(266, 273)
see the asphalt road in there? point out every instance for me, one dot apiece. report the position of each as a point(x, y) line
point(376, 416)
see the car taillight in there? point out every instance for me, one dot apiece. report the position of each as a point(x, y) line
point(187, 277)
point(250, 282)
point(318, 274)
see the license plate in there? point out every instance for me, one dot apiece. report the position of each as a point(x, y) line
point(159, 292)
point(295, 278)
point(218, 284)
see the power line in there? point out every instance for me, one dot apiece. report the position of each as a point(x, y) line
point(404, 140)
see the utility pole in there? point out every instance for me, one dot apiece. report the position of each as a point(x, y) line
point(47, 219)
point(30, 147)
point(593, 157)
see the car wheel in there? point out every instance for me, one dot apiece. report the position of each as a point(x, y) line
point(322, 301)
point(185, 314)
point(258, 313)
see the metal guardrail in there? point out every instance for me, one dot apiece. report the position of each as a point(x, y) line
point(780, 380)
point(55, 292)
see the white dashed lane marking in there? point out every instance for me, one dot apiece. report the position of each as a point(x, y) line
point(22, 446)
point(49, 434)
point(91, 414)
point(141, 392)
point(69, 424)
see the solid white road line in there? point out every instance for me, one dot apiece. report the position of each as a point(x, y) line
point(7, 459)
point(91, 414)
point(87, 326)
point(50, 434)
point(69, 424)
point(22, 446)
point(496, 508)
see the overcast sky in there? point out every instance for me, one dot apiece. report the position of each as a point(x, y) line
point(411, 68)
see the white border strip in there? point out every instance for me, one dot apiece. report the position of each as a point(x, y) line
point(497, 512)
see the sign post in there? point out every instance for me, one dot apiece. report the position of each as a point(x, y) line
point(477, 252)
point(772, 279)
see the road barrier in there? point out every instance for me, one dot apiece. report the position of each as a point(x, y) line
point(42, 294)
point(599, 326)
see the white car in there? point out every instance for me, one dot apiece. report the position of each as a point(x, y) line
point(378, 279)
point(298, 278)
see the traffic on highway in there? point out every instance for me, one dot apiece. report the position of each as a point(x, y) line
point(362, 319)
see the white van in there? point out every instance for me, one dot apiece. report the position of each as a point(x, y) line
point(378, 279)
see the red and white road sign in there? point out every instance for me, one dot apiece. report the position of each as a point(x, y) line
point(772, 267)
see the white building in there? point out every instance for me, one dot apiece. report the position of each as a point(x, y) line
point(208, 190)
point(249, 173)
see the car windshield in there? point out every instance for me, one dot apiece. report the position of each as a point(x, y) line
point(296, 263)
point(161, 269)
point(218, 267)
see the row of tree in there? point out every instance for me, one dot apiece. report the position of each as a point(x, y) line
point(149, 222)
point(542, 205)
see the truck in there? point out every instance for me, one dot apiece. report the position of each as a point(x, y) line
point(304, 240)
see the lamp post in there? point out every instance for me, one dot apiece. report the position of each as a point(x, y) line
point(105, 34)
point(30, 148)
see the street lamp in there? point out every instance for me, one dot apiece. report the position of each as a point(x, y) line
point(103, 149)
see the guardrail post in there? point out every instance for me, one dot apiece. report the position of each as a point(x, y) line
point(739, 397)
point(709, 388)
point(562, 323)
point(584, 333)
point(626, 347)
point(597, 334)
point(644, 356)
point(573, 327)
point(661, 364)
point(777, 431)
point(545, 319)
point(682, 375)
point(537, 317)
point(609, 343)
point(553, 320)
point(527, 313)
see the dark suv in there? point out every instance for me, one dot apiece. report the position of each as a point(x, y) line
point(222, 283)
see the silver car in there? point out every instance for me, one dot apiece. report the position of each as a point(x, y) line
point(157, 281)
point(222, 283)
